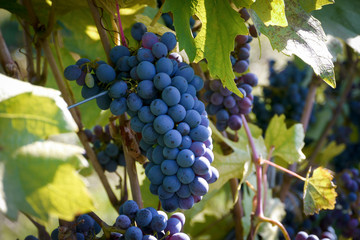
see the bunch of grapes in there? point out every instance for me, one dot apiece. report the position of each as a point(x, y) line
point(96, 77)
point(327, 235)
point(108, 152)
point(86, 228)
point(158, 91)
point(149, 224)
point(285, 95)
point(226, 106)
point(173, 123)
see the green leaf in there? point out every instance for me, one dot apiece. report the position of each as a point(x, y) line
point(29, 113)
point(233, 159)
point(319, 191)
point(309, 44)
point(311, 5)
point(329, 152)
point(341, 20)
point(243, 3)
point(182, 11)
point(287, 142)
point(38, 177)
point(271, 12)
point(215, 40)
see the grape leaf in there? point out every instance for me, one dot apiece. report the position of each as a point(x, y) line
point(341, 20)
point(287, 142)
point(236, 162)
point(38, 177)
point(319, 191)
point(303, 37)
point(243, 3)
point(215, 40)
point(182, 11)
point(271, 12)
point(311, 5)
point(329, 152)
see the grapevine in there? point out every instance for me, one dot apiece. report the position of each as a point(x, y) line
point(121, 119)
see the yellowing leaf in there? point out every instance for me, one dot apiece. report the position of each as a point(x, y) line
point(319, 191)
point(311, 5)
point(287, 142)
point(303, 37)
point(271, 12)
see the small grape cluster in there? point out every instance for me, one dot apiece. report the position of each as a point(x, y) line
point(246, 16)
point(285, 95)
point(327, 235)
point(226, 106)
point(240, 56)
point(108, 152)
point(86, 228)
point(149, 224)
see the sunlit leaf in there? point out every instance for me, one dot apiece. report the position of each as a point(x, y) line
point(287, 142)
point(271, 12)
point(303, 37)
point(215, 40)
point(311, 5)
point(319, 191)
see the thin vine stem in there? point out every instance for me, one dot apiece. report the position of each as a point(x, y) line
point(258, 168)
point(122, 35)
point(283, 169)
point(277, 223)
point(102, 32)
point(42, 233)
point(238, 211)
point(6, 60)
point(90, 152)
point(336, 113)
point(157, 16)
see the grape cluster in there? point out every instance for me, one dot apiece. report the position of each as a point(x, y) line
point(226, 106)
point(86, 228)
point(285, 95)
point(240, 56)
point(327, 235)
point(108, 152)
point(173, 123)
point(96, 77)
point(149, 224)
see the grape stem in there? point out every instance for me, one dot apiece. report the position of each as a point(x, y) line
point(42, 233)
point(130, 162)
point(122, 35)
point(102, 32)
point(305, 118)
point(350, 73)
point(283, 169)
point(76, 115)
point(158, 15)
point(8, 64)
point(237, 212)
point(277, 223)
point(259, 204)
